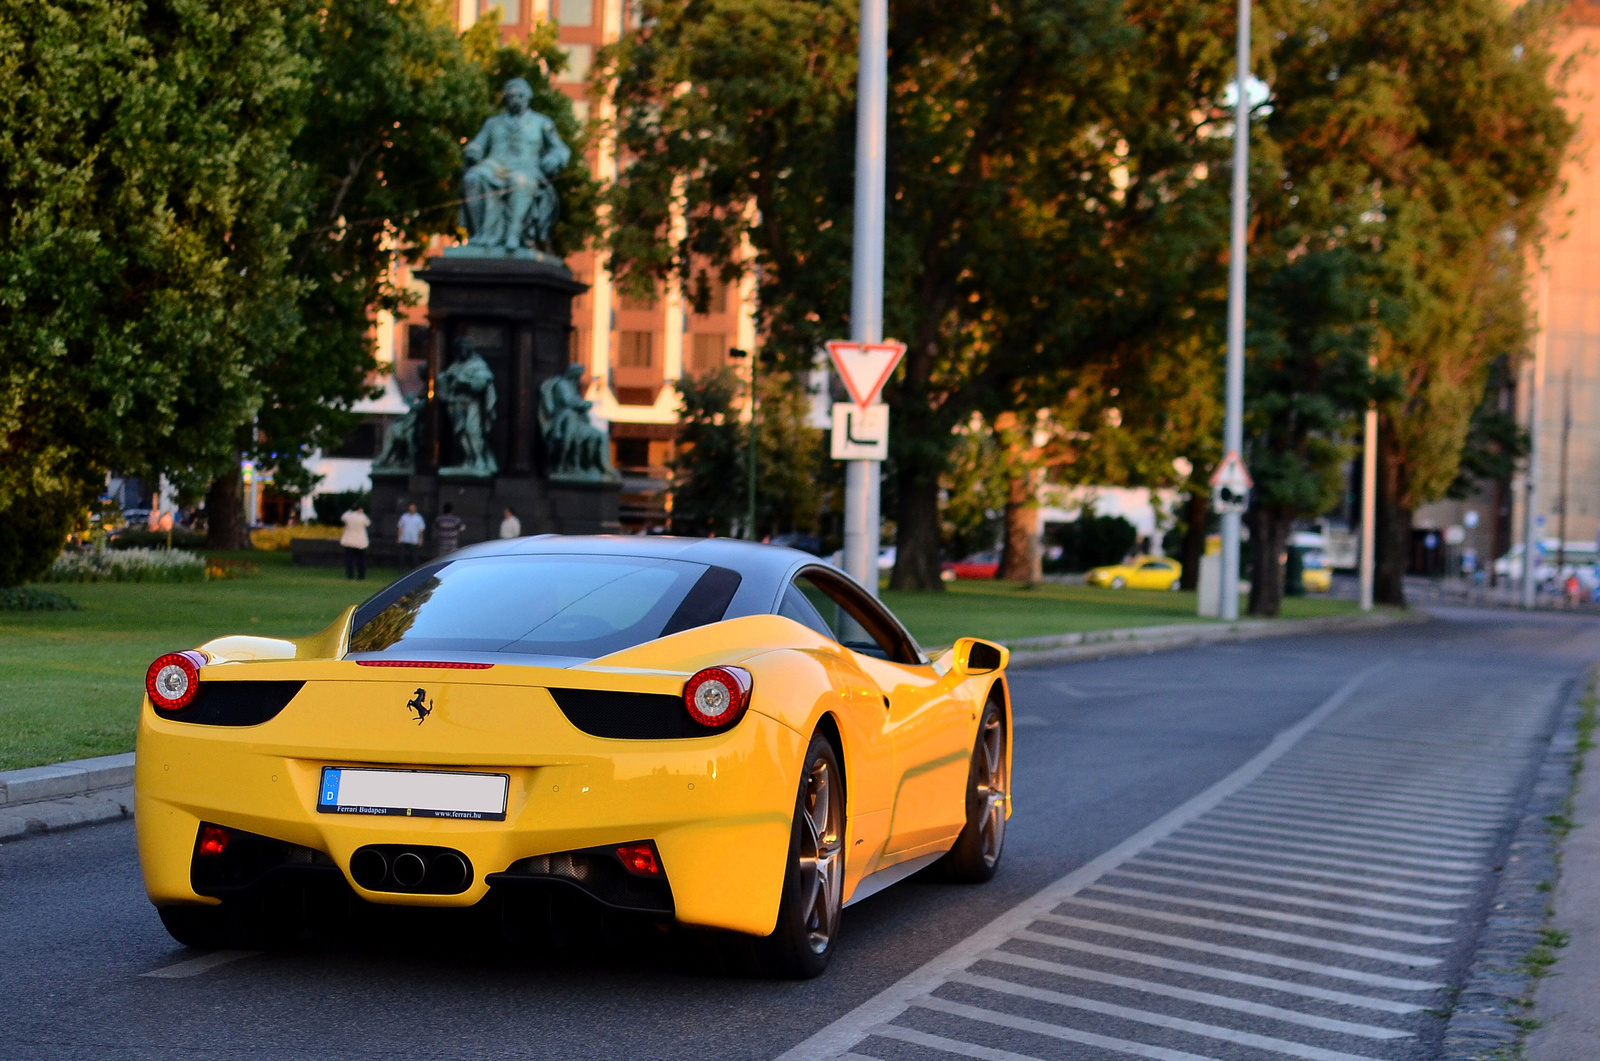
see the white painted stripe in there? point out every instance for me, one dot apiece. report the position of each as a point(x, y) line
point(848, 1030)
point(203, 964)
point(1416, 961)
point(1204, 998)
point(1365, 798)
point(1217, 972)
point(1292, 900)
point(1352, 833)
point(1407, 783)
point(1256, 847)
point(1431, 773)
point(1372, 811)
point(1369, 852)
point(1335, 972)
point(1417, 795)
point(989, 1053)
point(1304, 885)
point(1159, 1020)
point(1276, 915)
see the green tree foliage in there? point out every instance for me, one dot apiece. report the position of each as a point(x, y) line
point(974, 484)
point(793, 486)
point(143, 168)
point(708, 472)
point(1495, 442)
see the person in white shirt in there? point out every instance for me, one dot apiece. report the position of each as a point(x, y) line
point(511, 526)
point(354, 540)
point(410, 537)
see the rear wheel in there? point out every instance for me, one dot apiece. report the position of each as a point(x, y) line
point(813, 886)
point(1119, 583)
point(976, 854)
point(204, 927)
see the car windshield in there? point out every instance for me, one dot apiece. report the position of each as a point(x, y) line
point(555, 605)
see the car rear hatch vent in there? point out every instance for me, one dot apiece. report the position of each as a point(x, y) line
point(235, 703)
point(628, 716)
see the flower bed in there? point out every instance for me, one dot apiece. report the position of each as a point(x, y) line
point(128, 565)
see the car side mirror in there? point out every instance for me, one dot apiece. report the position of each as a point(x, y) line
point(972, 655)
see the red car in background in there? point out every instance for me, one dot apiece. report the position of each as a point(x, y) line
point(978, 565)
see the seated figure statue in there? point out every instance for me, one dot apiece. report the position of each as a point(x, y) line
point(510, 202)
point(574, 448)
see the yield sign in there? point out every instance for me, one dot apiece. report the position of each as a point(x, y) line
point(1230, 484)
point(865, 366)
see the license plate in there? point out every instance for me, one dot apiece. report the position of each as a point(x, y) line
point(413, 793)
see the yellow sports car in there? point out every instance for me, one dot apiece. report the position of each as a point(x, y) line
point(1146, 572)
point(708, 732)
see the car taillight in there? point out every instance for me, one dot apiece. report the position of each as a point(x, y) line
point(717, 696)
point(213, 840)
point(173, 680)
point(640, 859)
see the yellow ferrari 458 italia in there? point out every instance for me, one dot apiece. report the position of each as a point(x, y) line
point(709, 732)
point(1146, 572)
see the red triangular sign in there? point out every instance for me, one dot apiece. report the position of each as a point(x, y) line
point(865, 367)
point(1231, 473)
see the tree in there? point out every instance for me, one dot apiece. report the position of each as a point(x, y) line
point(708, 472)
point(795, 484)
point(143, 171)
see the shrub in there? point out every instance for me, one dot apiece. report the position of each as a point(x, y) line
point(331, 506)
point(33, 527)
point(128, 565)
point(1092, 541)
point(220, 568)
point(34, 599)
point(273, 539)
point(142, 538)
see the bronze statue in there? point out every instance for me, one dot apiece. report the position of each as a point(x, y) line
point(510, 202)
point(399, 453)
point(575, 450)
point(467, 390)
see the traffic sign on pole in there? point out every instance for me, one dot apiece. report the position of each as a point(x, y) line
point(865, 367)
point(860, 433)
point(1230, 485)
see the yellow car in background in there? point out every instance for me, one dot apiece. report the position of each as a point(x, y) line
point(1145, 572)
point(1316, 576)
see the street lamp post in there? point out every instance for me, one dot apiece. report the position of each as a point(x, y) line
point(1233, 425)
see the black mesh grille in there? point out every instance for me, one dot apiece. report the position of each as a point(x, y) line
point(629, 716)
point(595, 872)
point(235, 703)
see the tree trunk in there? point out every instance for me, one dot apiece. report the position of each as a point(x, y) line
point(1196, 509)
point(1019, 559)
point(225, 524)
point(916, 542)
point(1269, 531)
point(1393, 532)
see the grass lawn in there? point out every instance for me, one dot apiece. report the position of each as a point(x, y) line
point(73, 679)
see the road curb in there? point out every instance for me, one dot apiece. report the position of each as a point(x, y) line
point(1138, 640)
point(50, 799)
point(1489, 1018)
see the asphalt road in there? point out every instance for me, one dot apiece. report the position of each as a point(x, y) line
point(1422, 760)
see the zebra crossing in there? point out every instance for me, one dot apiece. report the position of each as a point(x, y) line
point(1304, 907)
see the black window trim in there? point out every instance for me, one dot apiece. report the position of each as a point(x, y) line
point(907, 651)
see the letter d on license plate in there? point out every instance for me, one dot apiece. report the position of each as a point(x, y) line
point(413, 793)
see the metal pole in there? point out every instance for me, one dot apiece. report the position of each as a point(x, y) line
point(750, 516)
point(1233, 428)
point(861, 485)
point(1561, 504)
point(1369, 507)
point(1530, 530)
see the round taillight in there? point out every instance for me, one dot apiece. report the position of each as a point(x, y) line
point(717, 696)
point(173, 680)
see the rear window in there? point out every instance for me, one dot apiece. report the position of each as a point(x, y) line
point(574, 606)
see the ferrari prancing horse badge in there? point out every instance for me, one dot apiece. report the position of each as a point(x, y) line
point(421, 705)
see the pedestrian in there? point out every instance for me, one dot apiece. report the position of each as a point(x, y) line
point(511, 526)
point(410, 535)
point(447, 530)
point(354, 540)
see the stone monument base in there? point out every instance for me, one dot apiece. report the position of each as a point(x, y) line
point(543, 507)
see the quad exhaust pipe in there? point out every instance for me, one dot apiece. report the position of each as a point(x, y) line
point(407, 868)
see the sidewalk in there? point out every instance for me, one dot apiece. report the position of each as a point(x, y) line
point(48, 799)
point(1565, 1001)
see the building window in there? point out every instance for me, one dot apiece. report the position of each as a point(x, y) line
point(634, 303)
point(577, 344)
point(579, 56)
point(633, 349)
point(510, 10)
point(709, 351)
point(632, 453)
point(575, 12)
point(636, 395)
point(362, 443)
point(417, 338)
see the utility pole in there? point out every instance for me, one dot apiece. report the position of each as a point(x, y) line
point(861, 481)
point(1530, 528)
point(1233, 426)
point(1369, 500)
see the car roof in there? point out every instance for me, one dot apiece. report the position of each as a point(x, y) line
point(765, 570)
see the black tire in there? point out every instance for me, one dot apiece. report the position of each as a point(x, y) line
point(976, 854)
point(813, 885)
point(1119, 583)
point(204, 927)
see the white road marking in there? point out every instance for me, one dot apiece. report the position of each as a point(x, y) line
point(1273, 915)
point(1337, 972)
point(203, 964)
point(1303, 885)
point(989, 1053)
point(1204, 998)
point(1229, 928)
point(1245, 847)
point(1160, 1020)
point(1217, 972)
point(1422, 797)
point(845, 1032)
point(1351, 833)
point(1376, 811)
point(1357, 853)
point(1294, 900)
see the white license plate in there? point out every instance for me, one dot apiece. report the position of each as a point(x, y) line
point(413, 793)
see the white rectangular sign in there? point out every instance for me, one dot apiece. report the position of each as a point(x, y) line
point(860, 434)
point(413, 793)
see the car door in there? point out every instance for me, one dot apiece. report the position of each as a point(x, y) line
point(1149, 574)
point(925, 718)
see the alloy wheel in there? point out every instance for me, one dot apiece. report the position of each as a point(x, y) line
point(991, 788)
point(821, 848)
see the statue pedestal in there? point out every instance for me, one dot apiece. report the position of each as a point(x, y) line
point(517, 312)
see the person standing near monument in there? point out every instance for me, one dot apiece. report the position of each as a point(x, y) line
point(410, 535)
point(447, 530)
point(354, 540)
point(510, 526)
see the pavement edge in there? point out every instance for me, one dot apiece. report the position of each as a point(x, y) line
point(49, 799)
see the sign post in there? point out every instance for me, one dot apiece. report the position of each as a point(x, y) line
point(861, 437)
point(1233, 423)
point(1230, 497)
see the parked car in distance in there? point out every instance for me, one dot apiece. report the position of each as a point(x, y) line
point(1144, 572)
point(1316, 576)
point(978, 565)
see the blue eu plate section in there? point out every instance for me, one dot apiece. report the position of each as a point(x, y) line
point(330, 787)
